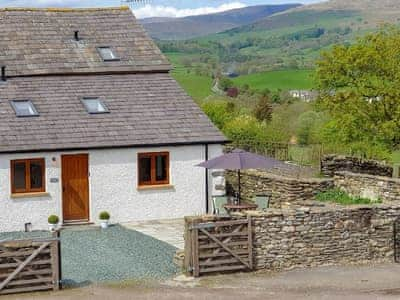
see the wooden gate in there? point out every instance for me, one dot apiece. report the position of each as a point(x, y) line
point(219, 246)
point(29, 265)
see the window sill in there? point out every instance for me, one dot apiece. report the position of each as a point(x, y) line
point(29, 195)
point(155, 187)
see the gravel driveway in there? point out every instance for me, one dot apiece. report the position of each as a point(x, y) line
point(91, 255)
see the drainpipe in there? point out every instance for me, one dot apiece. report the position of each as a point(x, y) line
point(206, 173)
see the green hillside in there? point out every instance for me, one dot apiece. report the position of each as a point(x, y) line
point(197, 86)
point(277, 80)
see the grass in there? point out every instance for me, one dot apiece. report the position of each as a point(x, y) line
point(278, 80)
point(395, 159)
point(197, 86)
point(340, 197)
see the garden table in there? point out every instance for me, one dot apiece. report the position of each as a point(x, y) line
point(232, 207)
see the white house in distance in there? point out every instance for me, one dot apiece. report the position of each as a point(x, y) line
point(91, 120)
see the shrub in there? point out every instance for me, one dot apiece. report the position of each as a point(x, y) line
point(225, 83)
point(245, 130)
point(104, 215)
point(341, 197)
point(219, 111)
point(309, 124)
point(53, 219)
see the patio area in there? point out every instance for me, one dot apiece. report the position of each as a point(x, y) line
point(169, 231)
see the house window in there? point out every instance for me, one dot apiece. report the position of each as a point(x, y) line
point(27, 175)
point(95, 106)
point(24, 108)
point(107, 54)
point(153, 168)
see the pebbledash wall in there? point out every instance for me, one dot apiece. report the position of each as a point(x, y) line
point(112, 187)
point(283, 190)
point(306, 237)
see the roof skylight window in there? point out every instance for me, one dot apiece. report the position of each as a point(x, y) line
point(107, 54)
point(24, 108)
point(95, 106)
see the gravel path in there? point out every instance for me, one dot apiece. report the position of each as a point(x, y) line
point(91, 255)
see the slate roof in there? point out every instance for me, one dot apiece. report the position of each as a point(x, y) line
point(47, 66)
point(41, 41)
point(145, 109)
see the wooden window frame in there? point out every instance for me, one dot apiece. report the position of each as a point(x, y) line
point(28, 188)
point(153, 181)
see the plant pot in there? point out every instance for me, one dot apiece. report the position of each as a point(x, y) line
point(104, 224)
point(53, 227)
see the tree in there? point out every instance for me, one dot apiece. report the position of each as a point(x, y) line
point(308, 125)
point(359, 87)
point(225, 83)
point(263, 109)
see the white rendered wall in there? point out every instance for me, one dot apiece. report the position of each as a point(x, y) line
point(112, 187)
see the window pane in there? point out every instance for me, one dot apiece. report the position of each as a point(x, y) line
point(95, 106)
point(36, 175)
point(107, 54)
point(19, 176)
point(144, 169)
point(161, 167)
point(24, 108)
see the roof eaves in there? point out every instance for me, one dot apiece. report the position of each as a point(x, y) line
point(221, 141)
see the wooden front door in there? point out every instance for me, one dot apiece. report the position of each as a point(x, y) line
point(75, 187)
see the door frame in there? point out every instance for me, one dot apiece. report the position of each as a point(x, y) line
point(87, 220)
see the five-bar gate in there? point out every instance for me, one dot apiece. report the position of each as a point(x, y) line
point(219, 246)
point(29, 265)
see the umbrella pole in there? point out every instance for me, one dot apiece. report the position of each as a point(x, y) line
point(239, 192)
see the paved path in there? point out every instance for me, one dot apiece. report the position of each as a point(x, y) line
point(169, 231)
point(326, 283)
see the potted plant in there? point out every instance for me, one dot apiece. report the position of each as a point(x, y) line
point(104, 217)
point(53, 222)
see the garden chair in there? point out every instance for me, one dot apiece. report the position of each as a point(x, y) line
point(262, 201)
point(218, 205)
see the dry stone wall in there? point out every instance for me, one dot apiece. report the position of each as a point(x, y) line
point(368, 186)
point(307, 237)
point(283, 190)
point(331, 164)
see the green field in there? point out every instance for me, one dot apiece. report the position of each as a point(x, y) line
point(275, 80)
point(197, 86)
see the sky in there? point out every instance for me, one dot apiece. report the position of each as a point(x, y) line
point(155, 8)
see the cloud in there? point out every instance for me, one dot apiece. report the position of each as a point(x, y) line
point(149, 10)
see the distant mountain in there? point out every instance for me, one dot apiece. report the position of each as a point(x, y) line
point(369, 13)
point(196, 26)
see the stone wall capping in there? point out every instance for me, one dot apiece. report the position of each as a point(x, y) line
point(330, 164)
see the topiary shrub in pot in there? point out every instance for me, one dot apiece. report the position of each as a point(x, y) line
point(104, 217)
point(53, 221)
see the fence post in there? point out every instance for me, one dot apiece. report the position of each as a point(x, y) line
point(56, 258)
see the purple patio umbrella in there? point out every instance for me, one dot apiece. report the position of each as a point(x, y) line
point(241, 160)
